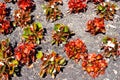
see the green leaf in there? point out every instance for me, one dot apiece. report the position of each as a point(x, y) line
point(42, 73)
point(39, 25)
point(39, 55)
point(15, 62)
point(62, 61)
point(57, 27)
point(27, 31)
point(2, 70)
point(104, 40)
point(103, 10)
point(66, 29)
point(11, 71)
point(25, 36)
point(51, 70)
point(38, 41)
point(100, 7)
point(1, 54)
point(113, 39)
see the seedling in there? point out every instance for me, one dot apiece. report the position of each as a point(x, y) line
point(21, 18)
point(52, 13)
point(52, 64)
point(61, 34)
point(106, 10)
point(111, 47)
point(33, 33)
point(8, 64)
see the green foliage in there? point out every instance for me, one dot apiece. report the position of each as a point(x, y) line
point(7, 61)
point(52, 64)
point(52, 13)
point(33, 33)
point(106, 10)
point(60, 34)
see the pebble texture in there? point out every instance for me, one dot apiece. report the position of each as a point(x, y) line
point(77, 23)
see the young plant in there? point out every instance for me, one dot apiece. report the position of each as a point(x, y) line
point(52, 64)
point(8, 64)
point(94, 64)
point(96, 26)
point(52, 13)
point(33, 33)
point(21, 18)
point(5, 26)
point(111, 47)
point(60, 34)
point(25, 4)
point(106, 10)
point(2, 11)
point(25, 53)
point(54, 2)
point(76, 50)
point(77, 5)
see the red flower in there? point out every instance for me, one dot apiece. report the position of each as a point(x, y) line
point(96, 26)
point(25, 53)
point(94, 64)
point(4, 27)
point(76, 5)
point(2, 10)
point(25, 4)
point(76, 50)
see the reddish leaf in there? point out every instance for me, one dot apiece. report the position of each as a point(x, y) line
point(77, 5)
point(2, 11)
point(25, 4)
point(94, 64)
point(75, 50)
point(96, 26)
point(25, 53)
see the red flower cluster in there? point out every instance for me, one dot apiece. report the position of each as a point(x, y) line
point(94, 64)
point(76, 5)
point(4, 27)
point(22, 18)
point(2, 11)
point(4, 24)
point(96, 26)
point(76, 50)
point(25, 4)
point(25, 53)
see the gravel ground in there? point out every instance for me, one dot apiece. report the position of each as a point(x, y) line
point(77, 23)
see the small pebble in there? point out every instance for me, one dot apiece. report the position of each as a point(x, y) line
point(65, 79)
point(106, 79)
point(115, 71)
